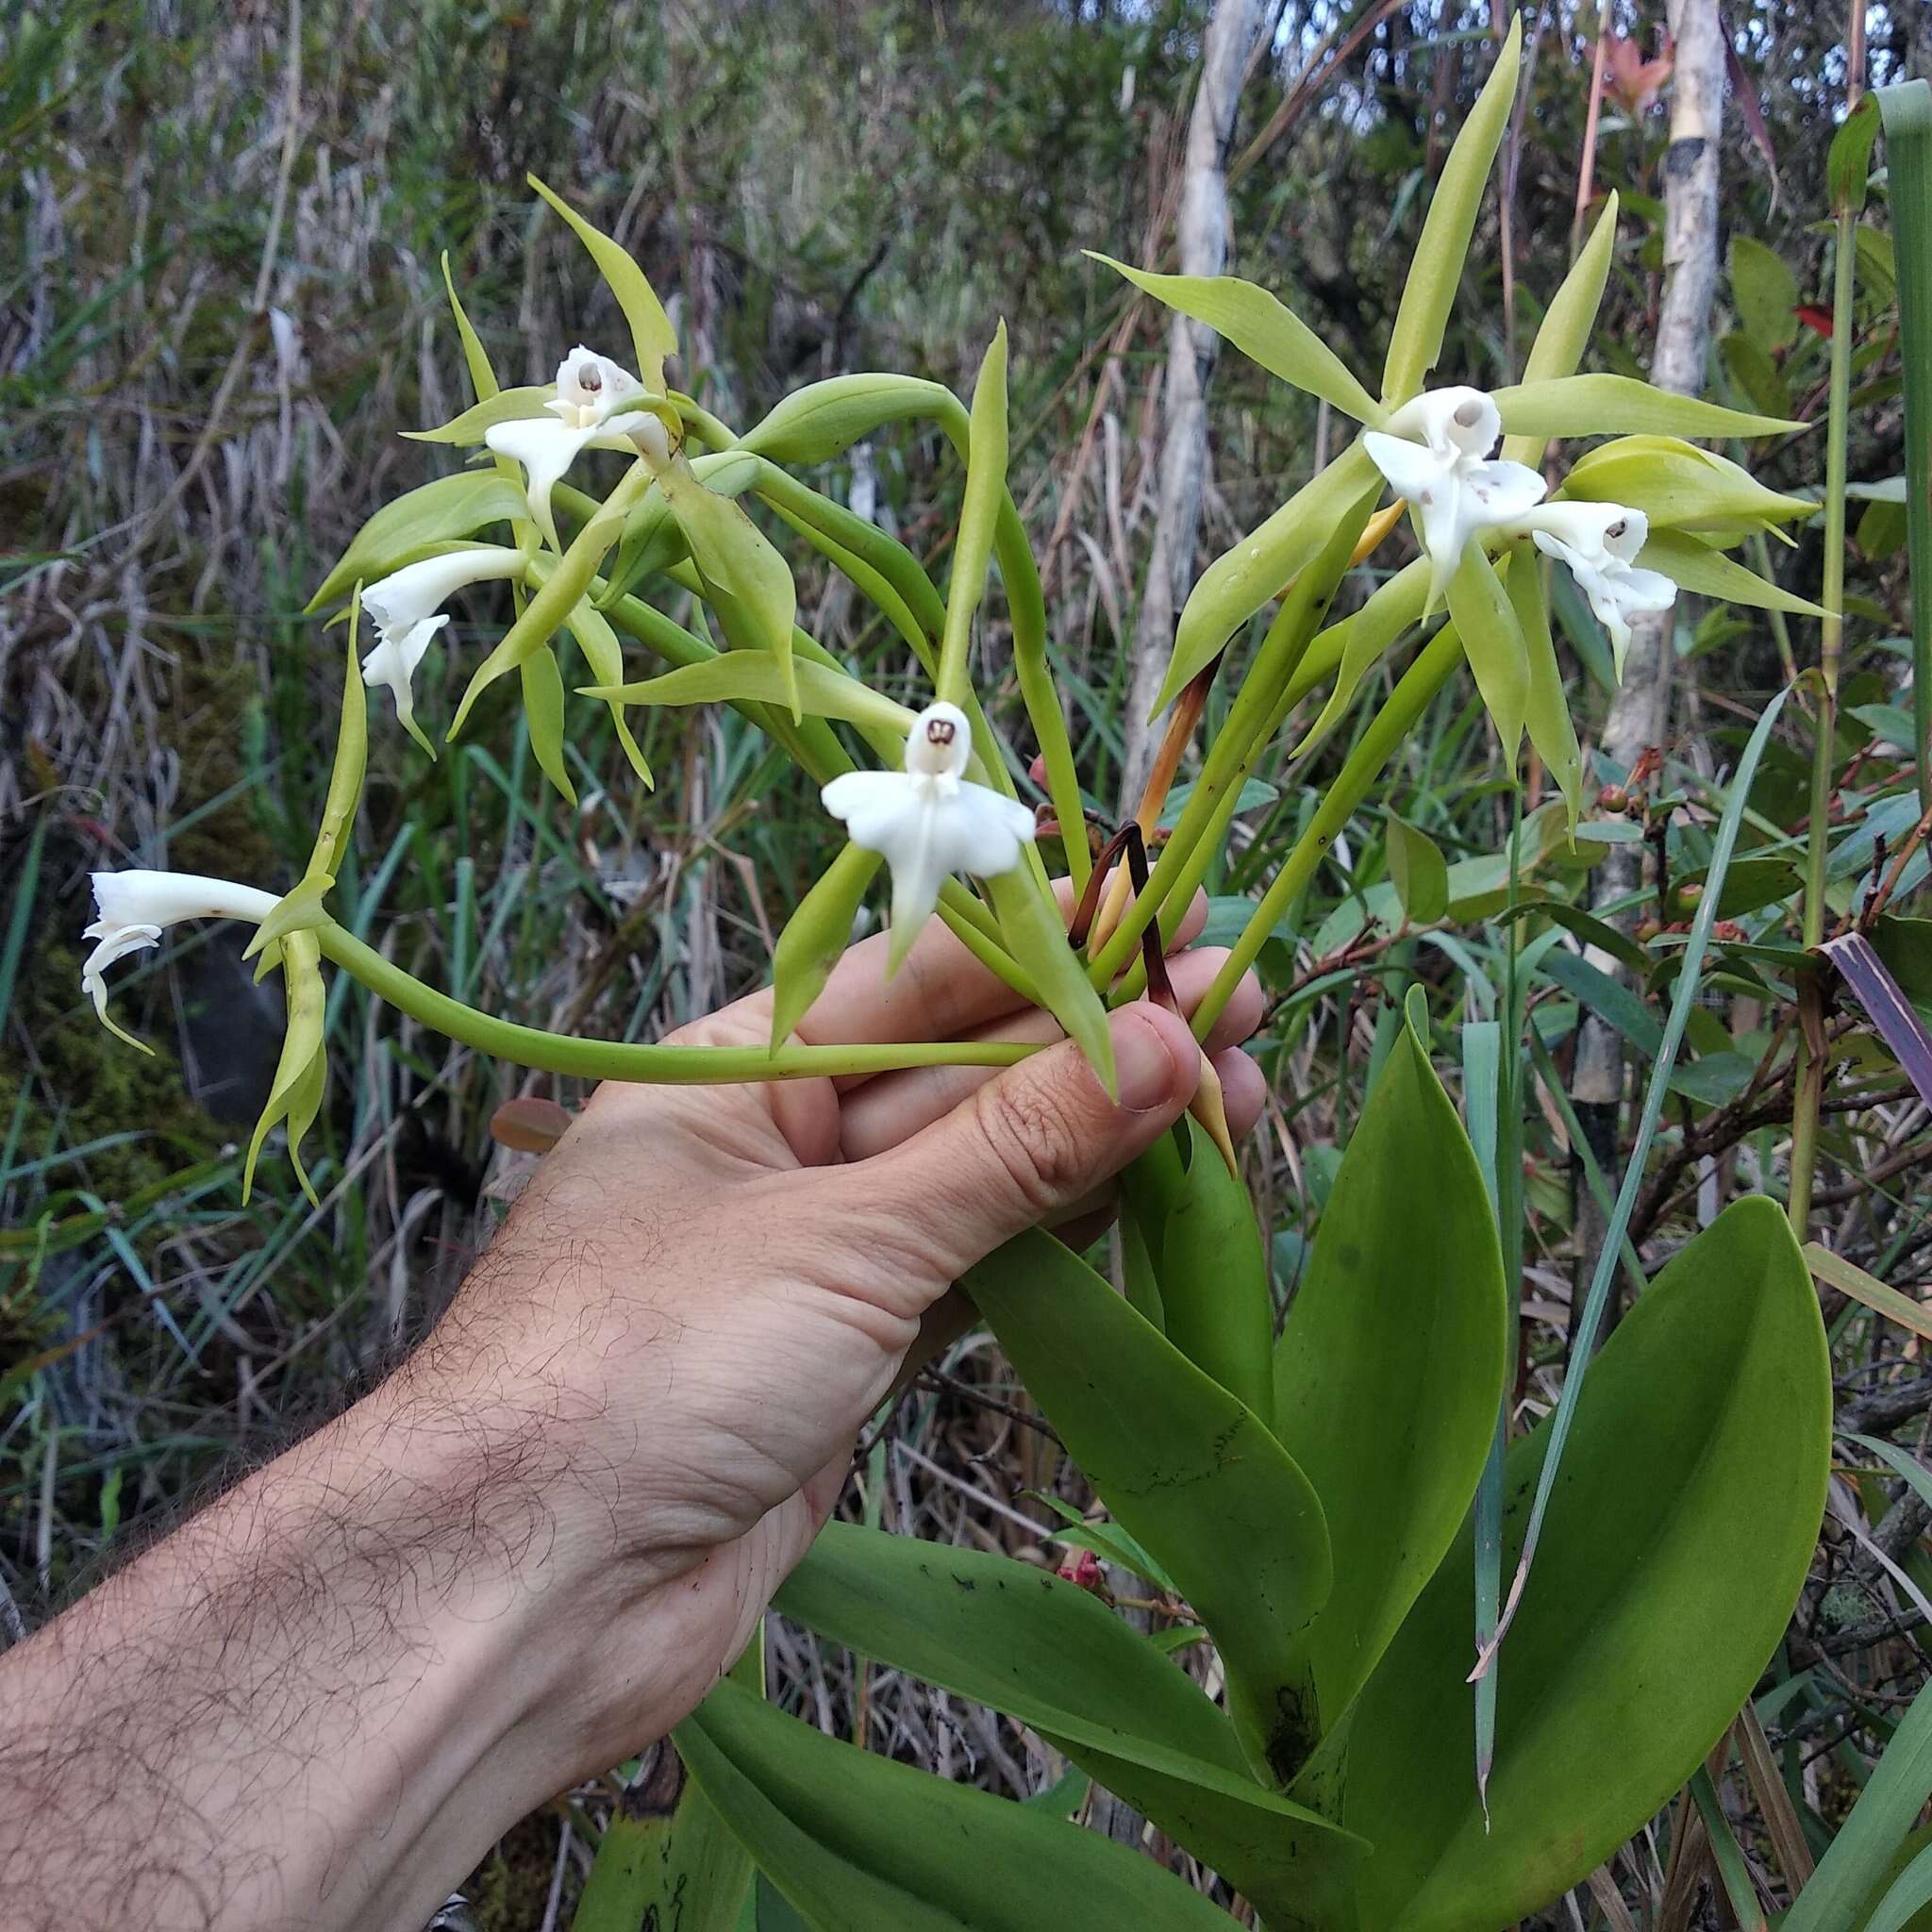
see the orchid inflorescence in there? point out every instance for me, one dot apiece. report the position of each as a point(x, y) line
point(1634, 520)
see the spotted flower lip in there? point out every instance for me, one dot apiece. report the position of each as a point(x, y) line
point(405, 606)
point(136, 906)
point(1600, 544)
point(931, 820)
point(1434, 451)
point(591, 390)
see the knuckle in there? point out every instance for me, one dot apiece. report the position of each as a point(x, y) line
point(1035, 1139)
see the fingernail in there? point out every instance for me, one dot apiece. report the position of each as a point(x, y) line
point(1142, 1062)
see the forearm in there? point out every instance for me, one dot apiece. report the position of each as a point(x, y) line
point(325, 1697)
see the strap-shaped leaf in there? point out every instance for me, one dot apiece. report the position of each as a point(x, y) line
point(1621, 405)
point(1263, 331)
point(734, 676)
point(1685, 1523)
point(1435, 270)
point(816, 935)
point(1389, 1373)
point(1493, 640)
point(1185, 1467)
point(986, 1627)
point(1698, 567)
point(301, 1072)
point(1239, 582)
point(859, 1844)
point(416, 522)
point(650, 329)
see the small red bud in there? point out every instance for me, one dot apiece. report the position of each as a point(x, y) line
point(1613, 798)
point(1082, 1570)
point(1692, 892)
point(1646, 930)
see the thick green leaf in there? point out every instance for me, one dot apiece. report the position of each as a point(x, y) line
point(1185, 1467)
point(1697, 567)
point(1493, 641)
point(666, 1859)
point(859, 1844)
point(1435, 270)
point(1389, 1375)
point(1684, 1523)
point(1261, 329)
point(1621, 405)
point(1238, 583)
point(1051, 1655)
point(733, 677)
point(1216, 1305)
point(1418, 870)
point(650, 329)
point(1848, 162)
point(416, 522)
point(1765, 293)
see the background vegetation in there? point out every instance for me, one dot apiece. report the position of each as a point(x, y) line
point(219, 299)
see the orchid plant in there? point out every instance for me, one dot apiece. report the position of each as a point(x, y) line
point(1346, 1776)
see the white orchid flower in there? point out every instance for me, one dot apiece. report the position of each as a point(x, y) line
point(136, 906)
point(1436, 451)
point(1600, 542)
point(406, 607)
point(590, 390)
point(931, 820)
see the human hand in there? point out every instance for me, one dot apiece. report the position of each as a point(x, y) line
point(715, 1287)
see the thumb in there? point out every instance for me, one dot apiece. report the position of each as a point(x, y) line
point(1024, 1148)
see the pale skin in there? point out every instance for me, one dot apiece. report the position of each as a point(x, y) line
point(534, 1548)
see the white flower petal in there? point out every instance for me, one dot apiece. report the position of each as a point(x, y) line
point(1412, 469)
point(395, 659)
point(135, 905)
point(591, 387)
point(546, 450)
point(1503, 490)
point(418, 591)
point(1457, 421)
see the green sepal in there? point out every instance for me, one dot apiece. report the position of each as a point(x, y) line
point(733, 555)
point(543, 713)
point(1547, 713)
point(1493, 642)
point(525, 404)
point(1262, 329)
point(650, 328)
point(815, 937)
point(1435, 270)
point(1680, 487)
point(1621, 405)
point(1708, 571)
point(824, 419)
point(597, 639)
point(299, 909)
point(1395, 606)
point(1567, 323)
point(813, 691)
point(421, 523)
point(302, 1071)
point(979, 515)
point(1240, 581)
point(475, 357)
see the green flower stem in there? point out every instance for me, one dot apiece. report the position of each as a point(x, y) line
point(661, 1066)
point(1387, 730)
point(1274, 685)
point(1808, 1090)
